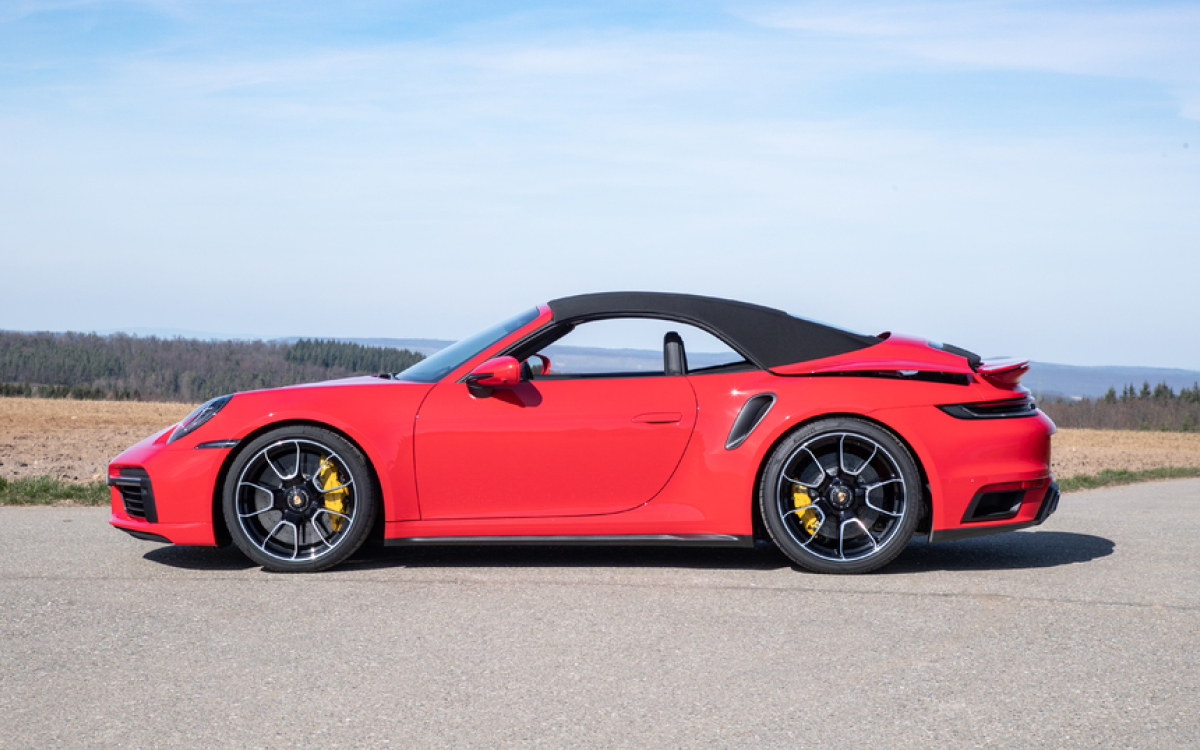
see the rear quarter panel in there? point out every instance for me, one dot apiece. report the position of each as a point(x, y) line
point(958, 456)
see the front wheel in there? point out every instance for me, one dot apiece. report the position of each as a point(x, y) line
point(299, 499)
point(841, 496)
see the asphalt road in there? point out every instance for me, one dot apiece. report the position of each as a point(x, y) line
point(1082, 633)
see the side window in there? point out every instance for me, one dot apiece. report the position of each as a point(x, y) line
point(633, 346)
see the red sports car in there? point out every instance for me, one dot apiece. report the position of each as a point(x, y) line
point(557, 426)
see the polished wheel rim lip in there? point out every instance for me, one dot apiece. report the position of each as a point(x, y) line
point(261, 501)
point(843, 536)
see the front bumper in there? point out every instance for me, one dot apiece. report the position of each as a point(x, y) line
point(166, 492)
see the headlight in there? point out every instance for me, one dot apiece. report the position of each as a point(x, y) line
point(202, 414)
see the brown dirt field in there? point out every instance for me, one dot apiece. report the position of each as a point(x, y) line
point(1076, 452)
point(74, 440)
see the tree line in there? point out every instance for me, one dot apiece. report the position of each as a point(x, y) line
point(1133, 408)
point(119, 366)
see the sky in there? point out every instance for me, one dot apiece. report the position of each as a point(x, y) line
point(1018, 178)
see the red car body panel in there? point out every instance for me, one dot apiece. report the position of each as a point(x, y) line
point(548, 448)
point(606, 456)
point(894, 353)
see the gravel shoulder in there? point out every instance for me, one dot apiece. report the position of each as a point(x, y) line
point(1079, 633)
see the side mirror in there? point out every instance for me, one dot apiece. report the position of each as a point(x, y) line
point(501, 371)
point(539, 364)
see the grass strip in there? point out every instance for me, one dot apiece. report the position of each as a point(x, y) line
point(51, 491)
point(1112, 477)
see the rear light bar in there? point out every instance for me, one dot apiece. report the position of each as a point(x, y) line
point(1006, 409)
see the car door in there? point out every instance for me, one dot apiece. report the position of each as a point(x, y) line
point(551, 447)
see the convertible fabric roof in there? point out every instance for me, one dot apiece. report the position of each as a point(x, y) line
point(768, 337)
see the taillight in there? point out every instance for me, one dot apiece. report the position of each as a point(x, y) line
point(1006, 409)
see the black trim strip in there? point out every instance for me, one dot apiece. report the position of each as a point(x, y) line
point(922, 376)
point(1049, 503)
point(217, 444)
point(146, 536)
point(619, 540)
point(950, 535)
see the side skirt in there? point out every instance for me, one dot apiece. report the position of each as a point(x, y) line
point(616, 540)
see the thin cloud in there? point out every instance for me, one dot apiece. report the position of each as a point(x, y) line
point(1156, 43)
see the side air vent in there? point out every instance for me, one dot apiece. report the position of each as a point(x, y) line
point(136, 493)
point(751, 413)
point(1007, 409)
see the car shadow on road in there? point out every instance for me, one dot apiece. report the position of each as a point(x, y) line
point(1015, 551)
point(763, 556)
point(200, 558)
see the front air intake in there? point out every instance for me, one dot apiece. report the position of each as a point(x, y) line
point(137, 494)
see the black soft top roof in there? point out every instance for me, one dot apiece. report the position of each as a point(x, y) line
point(768, 337)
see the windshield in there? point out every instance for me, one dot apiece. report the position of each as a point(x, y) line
point(452, 357)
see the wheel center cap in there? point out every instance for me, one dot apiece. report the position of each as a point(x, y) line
point(840, 496)
point(297, 498)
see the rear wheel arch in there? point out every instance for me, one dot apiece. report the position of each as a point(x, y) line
point(760, 529)
point(221, 531)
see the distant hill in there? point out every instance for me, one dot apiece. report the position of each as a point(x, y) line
point(1073, 381)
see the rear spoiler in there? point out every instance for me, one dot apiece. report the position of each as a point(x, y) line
point(1004, 373)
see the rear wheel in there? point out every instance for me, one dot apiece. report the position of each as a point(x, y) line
point(841, 496)
point(299, 499)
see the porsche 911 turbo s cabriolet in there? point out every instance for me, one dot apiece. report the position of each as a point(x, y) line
point(741, 423)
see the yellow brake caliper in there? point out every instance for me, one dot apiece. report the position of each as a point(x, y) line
point(335, 499)
point(808, 518)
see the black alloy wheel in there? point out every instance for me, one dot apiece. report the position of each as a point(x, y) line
point(299, 499)
point(841, 495)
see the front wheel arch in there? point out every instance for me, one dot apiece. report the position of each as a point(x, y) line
point(760, 528)
point(221, 531)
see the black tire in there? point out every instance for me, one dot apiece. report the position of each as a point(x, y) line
point(299, 499)
point(840, 495)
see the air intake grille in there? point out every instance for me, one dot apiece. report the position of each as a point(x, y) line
point(137, 495)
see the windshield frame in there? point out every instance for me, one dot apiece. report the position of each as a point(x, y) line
point(439, 365)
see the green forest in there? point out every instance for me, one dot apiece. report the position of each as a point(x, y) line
point(122, 367)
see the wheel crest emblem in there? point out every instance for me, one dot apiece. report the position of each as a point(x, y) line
point(297, 499)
